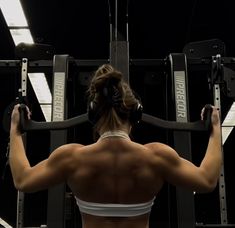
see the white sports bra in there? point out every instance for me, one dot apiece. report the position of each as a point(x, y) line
point(114, 210)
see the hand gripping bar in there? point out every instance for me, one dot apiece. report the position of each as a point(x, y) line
point(31, 125)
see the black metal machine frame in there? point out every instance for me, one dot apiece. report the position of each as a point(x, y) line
point(34, 66)
point(119, 57)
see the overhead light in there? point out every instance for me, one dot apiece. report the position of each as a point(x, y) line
point(228, 123)
point(16, 21)
point(4, 224)
point(225, 133)
point(13, 13)
point(21, 35)
point(229, 120)
point(18, 27)
point(41, 87)
point(42, 91)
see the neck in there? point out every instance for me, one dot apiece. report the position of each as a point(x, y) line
point(115, 133)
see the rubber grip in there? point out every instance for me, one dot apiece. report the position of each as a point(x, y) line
point(23, 117)
point(207, 116)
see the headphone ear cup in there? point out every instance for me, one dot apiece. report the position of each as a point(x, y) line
point(136, 114)
point(91, 111)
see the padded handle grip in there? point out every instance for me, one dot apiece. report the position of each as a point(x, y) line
point(207, 116)
point(23, 117)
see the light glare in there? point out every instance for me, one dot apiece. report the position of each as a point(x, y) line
point(13, 13)
point(21, 35)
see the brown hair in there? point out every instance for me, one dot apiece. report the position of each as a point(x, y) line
point(112, 97)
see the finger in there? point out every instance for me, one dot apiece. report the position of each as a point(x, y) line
point(202, 113)
point(215, 109)
point(15, 109)
point(29, 113)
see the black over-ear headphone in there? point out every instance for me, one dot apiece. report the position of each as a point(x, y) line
point(94, 112)
point(136, 113)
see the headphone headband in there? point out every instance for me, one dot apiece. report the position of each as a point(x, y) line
point(94, 112)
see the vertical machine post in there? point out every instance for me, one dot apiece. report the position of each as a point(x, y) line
point(20, 195)
point(217, 78)
point(119, 44)
point(182, 140)
point(56, 195)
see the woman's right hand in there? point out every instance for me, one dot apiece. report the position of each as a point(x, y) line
point(15, 118)
point(215, 116)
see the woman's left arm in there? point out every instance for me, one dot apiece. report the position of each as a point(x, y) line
point(45, 174)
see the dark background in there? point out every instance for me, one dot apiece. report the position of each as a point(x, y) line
point(156, 29)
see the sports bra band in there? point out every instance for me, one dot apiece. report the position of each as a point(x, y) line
point(114, 210)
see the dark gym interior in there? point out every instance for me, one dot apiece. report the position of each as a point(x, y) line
point(154, 30)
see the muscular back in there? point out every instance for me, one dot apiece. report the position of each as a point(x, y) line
point(114, 171)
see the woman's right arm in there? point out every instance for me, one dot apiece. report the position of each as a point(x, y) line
point(181, 172)
point(212, 160)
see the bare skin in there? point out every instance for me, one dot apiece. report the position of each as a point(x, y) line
point(115, 170)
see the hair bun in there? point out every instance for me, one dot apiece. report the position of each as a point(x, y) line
point(107, 80)
point(113, 78)
point(104, 69)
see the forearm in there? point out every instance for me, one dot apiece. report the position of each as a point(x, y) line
point(17, 157)
point(212, 161)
